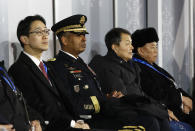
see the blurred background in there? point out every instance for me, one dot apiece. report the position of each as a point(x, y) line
point(173, 19)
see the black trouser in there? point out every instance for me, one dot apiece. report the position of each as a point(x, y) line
point(153, 124)
point(74, 129)
point(191, 119)
point(150, 123)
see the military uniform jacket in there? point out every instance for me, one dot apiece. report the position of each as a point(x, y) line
point(116, 74)
point(79, 82)
point(12, 106)
point(40, 94)
point(161, 88)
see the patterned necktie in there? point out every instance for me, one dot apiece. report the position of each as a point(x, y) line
point(41, 65)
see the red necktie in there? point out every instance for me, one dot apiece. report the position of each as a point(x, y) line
point(41, 65)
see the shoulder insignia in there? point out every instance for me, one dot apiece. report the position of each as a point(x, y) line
point(52, 59)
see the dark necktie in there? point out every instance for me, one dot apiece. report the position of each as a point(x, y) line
point(41, 65)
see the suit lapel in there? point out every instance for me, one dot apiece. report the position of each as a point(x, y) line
point(53, 81)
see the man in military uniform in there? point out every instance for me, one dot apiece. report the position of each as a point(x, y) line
point(81, 86)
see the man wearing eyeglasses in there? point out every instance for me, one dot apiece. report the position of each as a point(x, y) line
point(36, 80)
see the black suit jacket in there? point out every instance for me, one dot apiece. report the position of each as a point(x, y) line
point(39, 93)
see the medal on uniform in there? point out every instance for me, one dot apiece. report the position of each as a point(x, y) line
point(71, 68)
point(66, 65)
point(76, 88)
point(75, 71)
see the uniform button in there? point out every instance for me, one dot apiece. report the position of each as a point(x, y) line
point(86, 87)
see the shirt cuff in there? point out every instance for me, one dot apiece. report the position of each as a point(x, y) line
point(181, 101)
point(72, 123)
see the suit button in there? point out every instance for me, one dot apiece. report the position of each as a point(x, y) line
point(46, 122)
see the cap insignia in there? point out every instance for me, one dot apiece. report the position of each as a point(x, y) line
point(82, 20)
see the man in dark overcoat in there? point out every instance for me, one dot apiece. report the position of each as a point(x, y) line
point(117, 73)
point(156, 81)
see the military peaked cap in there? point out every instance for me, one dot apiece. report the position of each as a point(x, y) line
point(143, 36)
point(73, 24)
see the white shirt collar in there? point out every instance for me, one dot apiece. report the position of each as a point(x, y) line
point(69, 54)
point(34, 59)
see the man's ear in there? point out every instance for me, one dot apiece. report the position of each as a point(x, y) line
point(114, 48)
point(139, 51)
point(24, 39)
point(64, 40)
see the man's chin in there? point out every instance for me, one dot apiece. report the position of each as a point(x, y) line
point(82, 50)
point(44, 49)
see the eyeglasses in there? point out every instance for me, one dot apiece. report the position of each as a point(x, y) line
point(41, 32)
